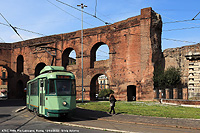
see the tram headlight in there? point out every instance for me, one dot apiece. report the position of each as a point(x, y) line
point(64, 103)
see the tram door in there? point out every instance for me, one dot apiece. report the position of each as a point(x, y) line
point(42, 96)
point(28, 96)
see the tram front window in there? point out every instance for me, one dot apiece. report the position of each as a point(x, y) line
point(63, 87)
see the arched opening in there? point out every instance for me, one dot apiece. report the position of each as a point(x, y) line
point(131, 93)
point(68, 57)
point(20, 64)
point(98, 83)
point(38, 68)
point(100, 51)
point(20, 90)
point(3, 81)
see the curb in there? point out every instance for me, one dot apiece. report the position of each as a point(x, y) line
point(140, 123)
point(90, 127)
point(151, 124)
point(20, 109)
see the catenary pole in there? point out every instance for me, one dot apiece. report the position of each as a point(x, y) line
point(82, 7)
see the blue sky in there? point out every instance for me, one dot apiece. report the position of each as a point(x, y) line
point(45, 18)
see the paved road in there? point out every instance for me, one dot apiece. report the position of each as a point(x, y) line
point(28, 122)
point(83, 121)
point(25, 121)
point(8, 107)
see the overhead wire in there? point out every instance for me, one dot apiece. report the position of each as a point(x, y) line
point(39, 34)
point(69, 13)
point(84, 12)
point(2, 40)
point(95, 14)
point(101, 50)
point(178, 21)
point(23, 29)
point(178, 40)
point(195, 16)
point(76, 17)
point(14, 29)
point(182, 28)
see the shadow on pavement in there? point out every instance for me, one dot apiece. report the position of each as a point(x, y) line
point(82, 115)
point(89, 114)
point(12, 102)
point(4, 115)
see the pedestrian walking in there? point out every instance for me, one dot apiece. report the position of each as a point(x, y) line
point(112, 103)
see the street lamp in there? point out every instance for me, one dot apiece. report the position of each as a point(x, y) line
point(82, 7)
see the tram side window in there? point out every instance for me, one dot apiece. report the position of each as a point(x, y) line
point(52, 87)
point(34, 88)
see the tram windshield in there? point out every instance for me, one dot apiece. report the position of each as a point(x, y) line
point(65, 87)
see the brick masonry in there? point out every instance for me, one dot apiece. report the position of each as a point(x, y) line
point(134, 52)
point(179, 58)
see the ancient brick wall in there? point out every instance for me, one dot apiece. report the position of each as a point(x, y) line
point(134, 52)
point(176, 57)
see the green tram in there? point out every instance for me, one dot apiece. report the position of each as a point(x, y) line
point(52, 93)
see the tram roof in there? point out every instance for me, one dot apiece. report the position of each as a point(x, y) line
point(52, 69)
point(52, 72)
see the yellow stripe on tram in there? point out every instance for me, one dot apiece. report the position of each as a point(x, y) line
point(33, 105)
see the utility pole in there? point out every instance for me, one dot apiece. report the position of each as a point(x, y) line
point(82, 7)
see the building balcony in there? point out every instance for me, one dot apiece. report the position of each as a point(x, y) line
point(191, 71)
point(191, 76)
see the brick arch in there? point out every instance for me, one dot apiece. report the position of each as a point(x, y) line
point(38, 68)
point(93, 85)
point(3, 63)
point(8, 69)
point(93, 53)
point(65, 56)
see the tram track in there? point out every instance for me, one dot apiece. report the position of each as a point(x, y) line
point(15, 119)
point(11, 117)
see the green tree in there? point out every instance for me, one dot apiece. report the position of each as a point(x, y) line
point(158, 77)
point(172, 77)
point(105, 92)
point(169, 78)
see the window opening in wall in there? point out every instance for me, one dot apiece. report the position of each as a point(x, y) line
point(102, 53)
point(99, 83)
point(20, 64)
point(38, 68)
point(72, 58)
point(68, 57)
point(99, 52)
point(3, 82)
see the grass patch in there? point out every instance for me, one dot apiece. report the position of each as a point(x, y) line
point(145, 109)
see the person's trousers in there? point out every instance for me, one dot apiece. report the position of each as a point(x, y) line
point(112, 109)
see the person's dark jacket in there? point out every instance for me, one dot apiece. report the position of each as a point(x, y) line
point(112, 101)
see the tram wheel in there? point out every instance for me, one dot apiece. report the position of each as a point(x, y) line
point(35, 112)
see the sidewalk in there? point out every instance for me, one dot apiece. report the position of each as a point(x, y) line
point(125, 119)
